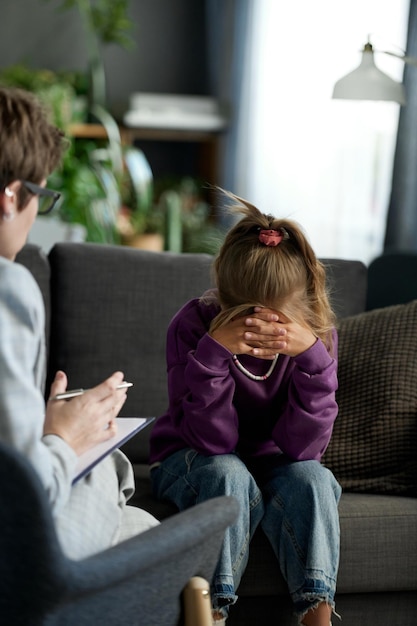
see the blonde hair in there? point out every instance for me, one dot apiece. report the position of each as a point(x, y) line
point(286, 277)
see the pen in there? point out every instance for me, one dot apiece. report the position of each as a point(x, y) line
point(79, 392)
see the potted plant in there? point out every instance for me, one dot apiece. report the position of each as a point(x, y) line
point(55, 89)
point(141, 221)
point(87, 177)
point(188, 220)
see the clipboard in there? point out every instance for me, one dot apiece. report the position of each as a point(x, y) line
point(127, 427)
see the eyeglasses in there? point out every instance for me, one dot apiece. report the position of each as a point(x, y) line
point(47, 197)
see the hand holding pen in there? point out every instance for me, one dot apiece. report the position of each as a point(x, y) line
point(89, 417)
point(73, 393)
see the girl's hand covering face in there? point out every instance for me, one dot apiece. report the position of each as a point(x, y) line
point(295, 338)
point(264, 334)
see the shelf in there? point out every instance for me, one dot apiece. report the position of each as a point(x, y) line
point(206, 159)
point(130, 134)
point(87, 131)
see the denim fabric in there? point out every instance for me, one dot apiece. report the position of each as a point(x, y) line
point(301, 522)
point(296, 503)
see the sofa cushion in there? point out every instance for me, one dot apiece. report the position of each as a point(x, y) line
point(378, 545)
point(346, 282)
point(378, 535)
point(374, 443)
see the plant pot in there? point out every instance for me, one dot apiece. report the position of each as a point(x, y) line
point(147, 241)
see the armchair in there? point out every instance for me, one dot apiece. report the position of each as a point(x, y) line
point(139, 581)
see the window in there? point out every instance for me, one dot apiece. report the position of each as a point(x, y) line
point(324, 163)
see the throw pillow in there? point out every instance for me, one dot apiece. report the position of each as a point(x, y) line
point(374, 443)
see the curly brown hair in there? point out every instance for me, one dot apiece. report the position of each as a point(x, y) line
point(30, 146)
point(286, 277)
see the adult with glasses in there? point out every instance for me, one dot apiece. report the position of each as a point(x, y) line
point(93, 514)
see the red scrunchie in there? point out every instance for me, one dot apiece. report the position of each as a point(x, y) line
point(271, 237)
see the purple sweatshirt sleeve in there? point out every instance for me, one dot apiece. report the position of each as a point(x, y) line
point(201, 397)
point(305, 426)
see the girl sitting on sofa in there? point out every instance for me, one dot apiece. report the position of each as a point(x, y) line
point(252, 375)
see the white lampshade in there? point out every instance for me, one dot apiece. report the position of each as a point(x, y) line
point(367, 82)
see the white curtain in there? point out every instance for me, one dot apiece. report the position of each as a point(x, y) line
point(324, 163)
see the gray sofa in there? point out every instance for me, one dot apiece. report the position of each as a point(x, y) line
point(109, 307)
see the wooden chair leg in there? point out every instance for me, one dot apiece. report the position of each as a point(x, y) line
point(197, 602)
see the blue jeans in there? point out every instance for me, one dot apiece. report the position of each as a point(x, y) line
point(295, 503)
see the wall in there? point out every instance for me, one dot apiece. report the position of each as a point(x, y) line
point(169, 55)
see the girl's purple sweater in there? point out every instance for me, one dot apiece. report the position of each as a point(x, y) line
point(216, 409)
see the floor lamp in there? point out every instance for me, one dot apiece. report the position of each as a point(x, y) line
point(368, 82)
